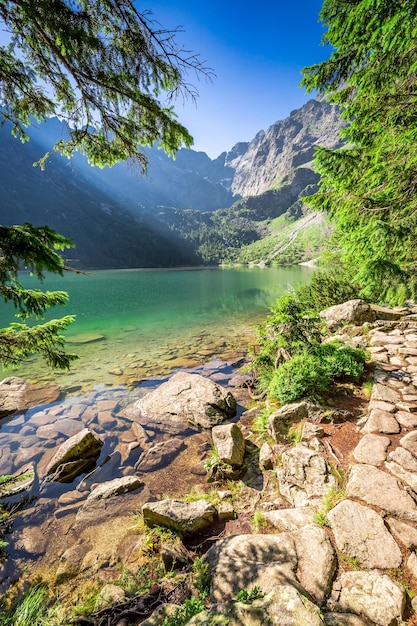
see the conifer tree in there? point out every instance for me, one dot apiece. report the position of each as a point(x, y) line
point(111, 73)
point(368, 187)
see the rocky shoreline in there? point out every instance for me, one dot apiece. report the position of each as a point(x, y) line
point(325, 530)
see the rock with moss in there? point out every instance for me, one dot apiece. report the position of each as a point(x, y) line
point(76, 455)
point(20, 481)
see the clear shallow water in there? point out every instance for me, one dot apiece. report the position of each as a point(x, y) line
point(132, 324)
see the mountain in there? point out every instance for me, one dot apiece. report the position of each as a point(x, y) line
point(273, 157)
point(185, 211)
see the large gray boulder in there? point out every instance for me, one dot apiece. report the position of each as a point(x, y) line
point(317, 561)
point(360, 533)
point(304, 560)
point(74, 456)
point(373, 595)
point(304, 474)
point(355, 312)
point(229, 443)
point(184, 517)
point(247, 561)
point(190, 398)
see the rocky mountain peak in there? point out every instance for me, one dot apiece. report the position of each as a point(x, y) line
point(272, 157)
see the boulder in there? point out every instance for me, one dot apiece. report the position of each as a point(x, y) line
point(355, 312)
point(184, 517)
point(317, 561)
point(360, 533)
point(247, 561)
point(229, 444)
point(373, 595)
point(191, 398)
point(279, 421)
point(304, 474)
point(18, 395)
point(74, 456)
point(266, 457)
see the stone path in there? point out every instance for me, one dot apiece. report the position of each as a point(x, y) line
point(360, 566)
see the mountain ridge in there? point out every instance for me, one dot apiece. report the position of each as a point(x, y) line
point(192, 210)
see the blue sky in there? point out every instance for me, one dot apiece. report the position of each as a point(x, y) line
point(257, 51)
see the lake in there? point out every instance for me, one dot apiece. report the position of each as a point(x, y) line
point(135, 324)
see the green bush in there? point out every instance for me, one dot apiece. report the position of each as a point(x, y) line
point(327, 288)
point(310, 373)
point(340, 361)
point(303, 375)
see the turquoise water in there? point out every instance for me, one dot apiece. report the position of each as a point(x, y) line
point(131, 324)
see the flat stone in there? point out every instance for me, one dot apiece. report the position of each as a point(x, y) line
point(404, 458)
point(115, 487)
point(381, 422)
point(85, 338)
point(160, 455)
point(381, 405)
point(378, 488)
point(406, 533)
point(371, 449)
point(68, 427)
point(373, 595)
point(17, 394)
point(181, 516)
point(290, 519)
point(411, 407)
point(409, 442)
point(41, 418)
point(360, 533)
point(384, 393)
point(387, 314)
point(410, 478)
point(406, 419)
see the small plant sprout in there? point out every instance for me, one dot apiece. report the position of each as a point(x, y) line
point(258, 522)
point(249, 596)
